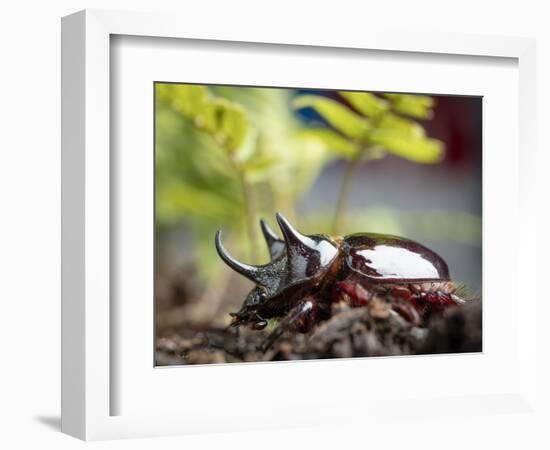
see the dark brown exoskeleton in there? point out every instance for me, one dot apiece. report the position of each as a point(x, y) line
point(308, 273)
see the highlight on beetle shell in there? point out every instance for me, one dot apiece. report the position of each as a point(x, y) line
point(300, 223)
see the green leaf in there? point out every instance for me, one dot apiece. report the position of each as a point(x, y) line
point(373, 152)
point(332, 141)
point(186, 98)
point(366, 103)
point(227, 122)
point(400, 125)
point(418, 106)
point(417, 149)
point(235, 126)
point(260, 167)
point(339, 116)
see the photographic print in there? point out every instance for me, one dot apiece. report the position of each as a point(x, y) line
point(299, 224)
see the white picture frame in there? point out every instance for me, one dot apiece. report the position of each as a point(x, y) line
point(89, 325)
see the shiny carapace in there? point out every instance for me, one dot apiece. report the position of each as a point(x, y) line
point(307, 274)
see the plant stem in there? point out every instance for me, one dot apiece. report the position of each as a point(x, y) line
point(343, 196)
point(249, 210)
point(282, 201)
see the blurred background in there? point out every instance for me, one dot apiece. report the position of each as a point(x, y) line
point(333, 162)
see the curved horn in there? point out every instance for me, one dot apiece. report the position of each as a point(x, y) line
point(249, 271)
point(275, 245)
point(306, 254)
point(292, 237)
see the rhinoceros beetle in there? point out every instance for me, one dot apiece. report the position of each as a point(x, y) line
point(309, 273)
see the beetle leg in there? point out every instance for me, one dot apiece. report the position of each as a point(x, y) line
point(259, 324)
point(302, 316)
point(407, 310)
point(351, 292)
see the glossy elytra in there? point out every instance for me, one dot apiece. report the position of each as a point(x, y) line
point(308, 273)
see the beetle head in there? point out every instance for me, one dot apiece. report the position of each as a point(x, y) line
point(249, 310)
point(296, 260)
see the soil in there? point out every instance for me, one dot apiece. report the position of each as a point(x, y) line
point(374, 330)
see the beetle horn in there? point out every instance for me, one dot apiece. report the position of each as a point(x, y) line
point(253, 273)
point(275, 245)
point(293, 238)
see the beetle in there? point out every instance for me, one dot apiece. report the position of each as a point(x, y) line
point(307, 274)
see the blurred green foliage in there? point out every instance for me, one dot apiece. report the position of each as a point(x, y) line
point(373, 125)
point(226, 156)
point(366, 126)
